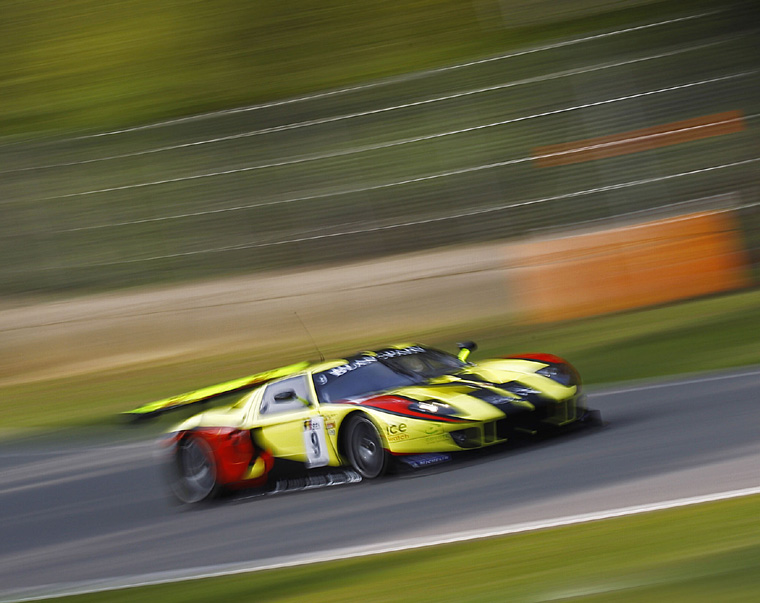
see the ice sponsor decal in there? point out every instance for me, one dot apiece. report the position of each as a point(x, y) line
point(315, 441)
point(397, 433)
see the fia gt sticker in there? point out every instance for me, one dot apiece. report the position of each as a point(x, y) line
point(315, 441)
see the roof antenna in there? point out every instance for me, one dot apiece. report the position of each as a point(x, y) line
point(314, 343)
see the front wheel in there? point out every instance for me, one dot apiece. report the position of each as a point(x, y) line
point(364, 448)
point(193, 471)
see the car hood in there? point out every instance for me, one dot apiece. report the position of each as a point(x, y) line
point(449, 399)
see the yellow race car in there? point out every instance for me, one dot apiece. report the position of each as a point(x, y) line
point(405, 402)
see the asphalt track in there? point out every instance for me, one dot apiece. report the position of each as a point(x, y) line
point(85, 513)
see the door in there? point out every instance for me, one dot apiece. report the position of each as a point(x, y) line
point(291, 426)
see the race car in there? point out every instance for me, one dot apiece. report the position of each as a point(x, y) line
point(362, 412)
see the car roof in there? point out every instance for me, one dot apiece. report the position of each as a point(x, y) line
point(332, 363)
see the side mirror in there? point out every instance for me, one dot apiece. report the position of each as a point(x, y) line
point(465, 348)
point(290, 395)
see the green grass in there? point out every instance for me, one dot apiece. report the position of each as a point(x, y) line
point(88, 64)
point(702, 335)
point(703, 553)
point(707, 334)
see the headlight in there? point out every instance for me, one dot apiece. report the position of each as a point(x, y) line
point(433, 407)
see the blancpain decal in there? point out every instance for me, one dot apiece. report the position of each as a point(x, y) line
point(413, 349)
point(352, 366)
point(361, 361)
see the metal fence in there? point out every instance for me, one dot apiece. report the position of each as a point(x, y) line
point(444, 157)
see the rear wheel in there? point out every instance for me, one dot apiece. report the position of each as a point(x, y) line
point(364, 448)
point(193, 471)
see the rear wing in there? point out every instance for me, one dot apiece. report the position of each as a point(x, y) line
point(154, 409)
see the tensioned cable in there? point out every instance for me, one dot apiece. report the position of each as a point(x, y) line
point(459, 215)
point(310, 123)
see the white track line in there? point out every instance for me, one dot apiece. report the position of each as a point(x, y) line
point(687, 381)
point(219, 571)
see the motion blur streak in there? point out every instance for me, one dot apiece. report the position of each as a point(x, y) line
point(384, 145)
point(550, 151)
point(397, 79)
point(429, 159)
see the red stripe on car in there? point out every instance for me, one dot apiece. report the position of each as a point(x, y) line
point(546, 358)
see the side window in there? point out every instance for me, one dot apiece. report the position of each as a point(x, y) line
point(270, 406)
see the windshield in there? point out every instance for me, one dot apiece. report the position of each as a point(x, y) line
point(425, 364)
point(363, 375)
point(384, 370)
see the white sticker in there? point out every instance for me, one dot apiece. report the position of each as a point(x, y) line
point(315, 441)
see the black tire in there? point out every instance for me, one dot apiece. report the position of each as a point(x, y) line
point(193, 471)
point(364, 447)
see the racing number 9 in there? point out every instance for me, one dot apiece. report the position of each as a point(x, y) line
point(315, 442)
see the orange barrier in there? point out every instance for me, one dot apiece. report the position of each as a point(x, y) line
point(639, 140)
point(634, 266)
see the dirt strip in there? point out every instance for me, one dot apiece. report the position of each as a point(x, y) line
point(382, 300)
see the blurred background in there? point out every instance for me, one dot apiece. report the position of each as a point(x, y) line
point(192, 191)
point(491, 143)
